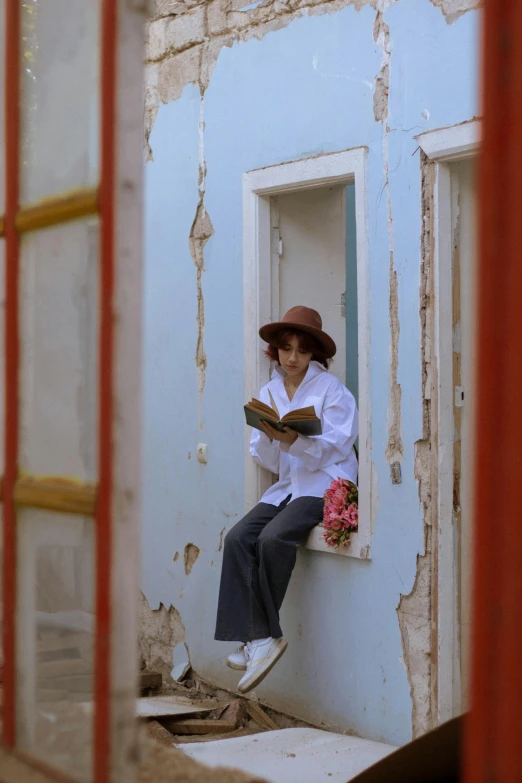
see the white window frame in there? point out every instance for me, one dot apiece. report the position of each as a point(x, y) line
point(444, 147)
point(338, 168)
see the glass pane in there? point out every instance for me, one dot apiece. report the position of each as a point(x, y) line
point(60, 92)
point(58, 363)
point(55, 632)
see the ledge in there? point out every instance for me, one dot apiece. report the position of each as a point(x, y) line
point(455, 142)
point(359, 546)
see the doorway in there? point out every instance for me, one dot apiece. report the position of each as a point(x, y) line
point(306, 242)
point(454, 325)
point(314, 263)
point(463, 210)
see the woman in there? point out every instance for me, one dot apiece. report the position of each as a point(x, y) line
point(260, 550)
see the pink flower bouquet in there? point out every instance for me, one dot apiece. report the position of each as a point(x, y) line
point(341, 514)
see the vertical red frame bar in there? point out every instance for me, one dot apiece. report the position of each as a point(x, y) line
point(11, 370)
point(494, 729)
point(102, 685)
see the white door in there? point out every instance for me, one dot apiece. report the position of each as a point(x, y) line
point(311, 259)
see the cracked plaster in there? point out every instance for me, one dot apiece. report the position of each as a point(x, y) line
point(184, 43)
point(159, 632)
point(416, 610)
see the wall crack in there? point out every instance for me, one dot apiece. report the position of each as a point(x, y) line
point(200, 233)
point(394, 446)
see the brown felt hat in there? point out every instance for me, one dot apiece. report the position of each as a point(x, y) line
point(306, 320)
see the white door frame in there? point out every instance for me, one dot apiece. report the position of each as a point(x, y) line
point(446, 146)
point(332, 169)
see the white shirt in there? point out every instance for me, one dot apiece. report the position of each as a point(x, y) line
point(309, 465)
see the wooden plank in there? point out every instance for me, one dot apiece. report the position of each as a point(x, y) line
point(58, 209)
point(260, 716)
point(202, 726)
point(56, 494)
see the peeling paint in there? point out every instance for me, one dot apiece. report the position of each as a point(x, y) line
point(200, 233)
point(184, 40)
point(159, 631)
point(454, 9)
point(394, 447)
point(415, 627)
point(191, 554)
point(176, 557)
point(417, 610)
point(220, 547)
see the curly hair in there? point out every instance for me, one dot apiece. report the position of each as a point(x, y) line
point(307, 343)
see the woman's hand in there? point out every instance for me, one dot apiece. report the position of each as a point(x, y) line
point(288, 436)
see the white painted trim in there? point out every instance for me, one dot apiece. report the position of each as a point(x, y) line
point(455, 143)
point(336, 168)
point(446, 146)
point(446, 575)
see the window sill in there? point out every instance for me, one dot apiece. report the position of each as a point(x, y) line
point(359, 546)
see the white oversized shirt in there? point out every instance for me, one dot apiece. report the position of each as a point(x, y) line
point(309, 465)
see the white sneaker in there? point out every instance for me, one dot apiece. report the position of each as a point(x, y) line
point(262, 657)
point(237, 660)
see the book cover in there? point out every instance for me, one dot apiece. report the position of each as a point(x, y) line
point(303, 421)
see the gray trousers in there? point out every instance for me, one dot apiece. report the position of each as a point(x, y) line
point(258, 559)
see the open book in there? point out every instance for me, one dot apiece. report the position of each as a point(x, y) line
point(303, 420)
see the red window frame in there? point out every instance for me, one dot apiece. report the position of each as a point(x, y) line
point(103, 549)
point(494, 728)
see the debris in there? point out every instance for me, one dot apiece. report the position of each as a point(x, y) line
point(166, 706)
point(201, 726)
point(166, 765)
point(259, 715)
point(181, 661)
point(159, 733)
point(180, 671)
point(236, 711)
point(150, 680)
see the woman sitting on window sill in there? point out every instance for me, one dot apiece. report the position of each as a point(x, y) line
point(260, 550)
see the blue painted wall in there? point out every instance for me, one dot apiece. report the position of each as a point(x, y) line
point(297, 92)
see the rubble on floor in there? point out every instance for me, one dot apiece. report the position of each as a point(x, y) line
point(256, 740)
point(172, 766)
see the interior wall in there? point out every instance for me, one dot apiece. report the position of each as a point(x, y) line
point(322, 83)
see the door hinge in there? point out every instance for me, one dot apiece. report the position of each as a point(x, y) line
point(459, 396)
